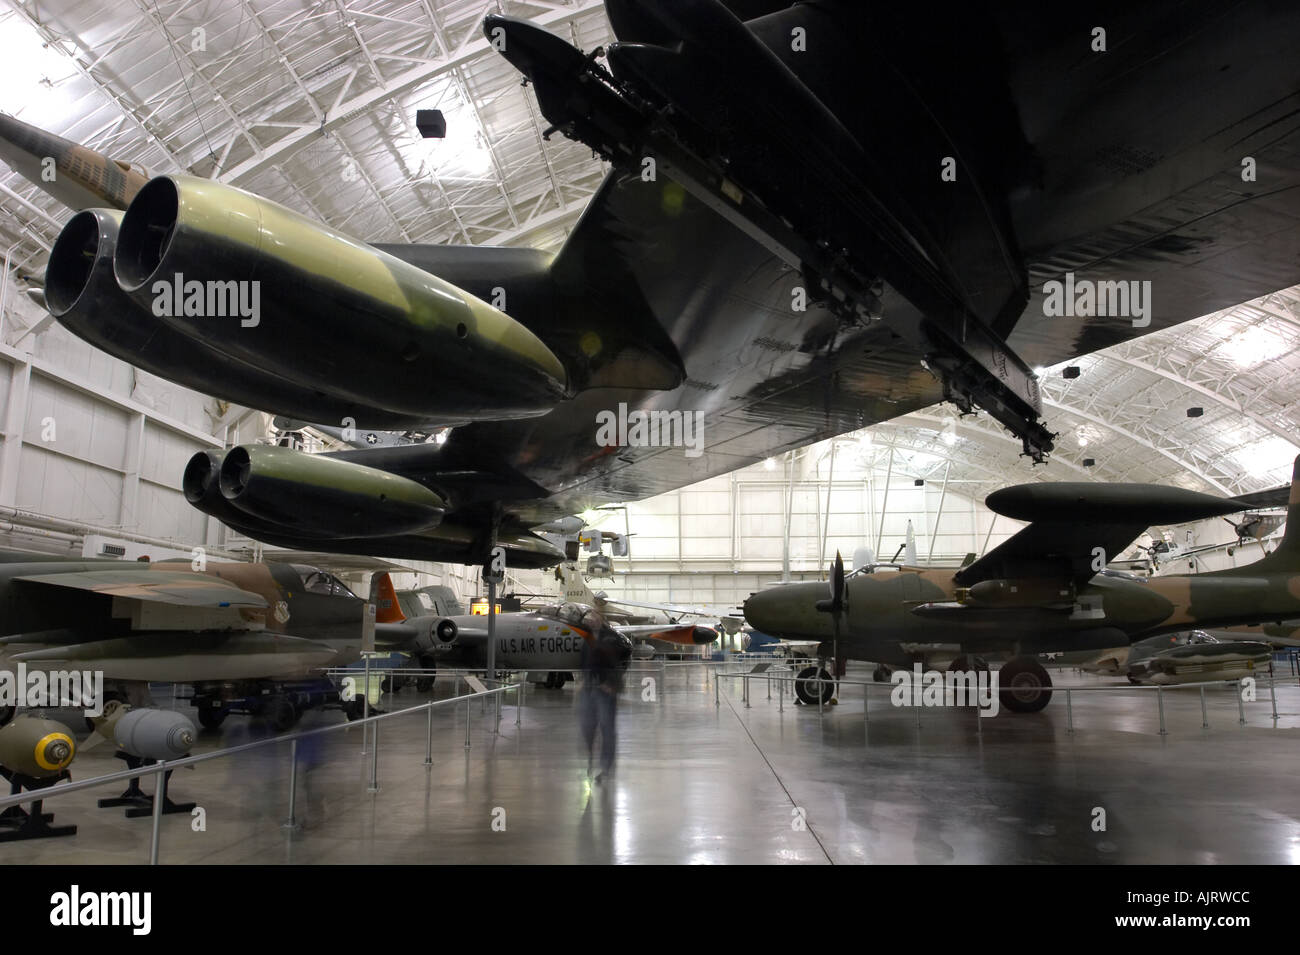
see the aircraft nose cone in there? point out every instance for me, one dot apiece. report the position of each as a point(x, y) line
point(771, 611)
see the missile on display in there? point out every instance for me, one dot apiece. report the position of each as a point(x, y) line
point(36, 747)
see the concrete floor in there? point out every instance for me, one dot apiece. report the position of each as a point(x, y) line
point(729, 784)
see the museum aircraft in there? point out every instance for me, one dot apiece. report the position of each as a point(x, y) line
point(234, 631)
point(783, 250)
point(549, 641)
point(1044, 589)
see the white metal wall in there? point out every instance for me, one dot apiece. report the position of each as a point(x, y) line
point(89, 439)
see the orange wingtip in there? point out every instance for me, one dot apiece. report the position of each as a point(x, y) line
point(387, 609)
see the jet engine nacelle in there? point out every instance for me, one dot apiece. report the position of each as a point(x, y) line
point(444, 633)
point(36, 747)
point(310, 495)
point(263, 284)
point(81, 291)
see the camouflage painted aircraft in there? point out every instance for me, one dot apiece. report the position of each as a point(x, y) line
point(234, 630)
point(778, 247)
point(1044, 589)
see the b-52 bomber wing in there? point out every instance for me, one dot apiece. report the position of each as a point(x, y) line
point(815, 219)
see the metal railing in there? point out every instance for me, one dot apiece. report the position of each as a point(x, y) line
point(817, 682)
point(158, 770)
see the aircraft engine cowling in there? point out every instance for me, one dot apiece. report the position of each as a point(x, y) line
point(316, 494)
point(265, 285)
point(263, 489)
point(81, 291)
point(445, 632)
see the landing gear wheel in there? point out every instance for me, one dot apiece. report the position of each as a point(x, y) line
point(807, 688)
point(282, 714)
point(7, 714)
point(1025, 686)
point(880, 674)
point(110, 696)
point(211, 717)
point(354, 710)
point(425, 683)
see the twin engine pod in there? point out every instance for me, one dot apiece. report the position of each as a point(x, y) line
point(265, 285)
point(312, 495)
point(235, 296)
point(36, 747)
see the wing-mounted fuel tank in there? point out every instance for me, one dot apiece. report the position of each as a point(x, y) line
point(264, 285)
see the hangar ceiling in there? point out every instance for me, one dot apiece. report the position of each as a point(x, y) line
point(312, 103)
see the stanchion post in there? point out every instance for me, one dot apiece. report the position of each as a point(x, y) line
point(292, 822)
point(374, 761)
point(159, 791)
point(428, 735)
point(1160, 703)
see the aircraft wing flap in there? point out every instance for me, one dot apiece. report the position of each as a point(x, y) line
point(180, 589)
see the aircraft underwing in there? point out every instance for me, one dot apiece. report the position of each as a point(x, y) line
point(826, 216)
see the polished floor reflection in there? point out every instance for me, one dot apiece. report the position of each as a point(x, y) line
point(768, 782)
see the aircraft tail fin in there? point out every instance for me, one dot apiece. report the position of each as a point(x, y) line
point(575, 587)
point(384, 597)
point(1286, 556)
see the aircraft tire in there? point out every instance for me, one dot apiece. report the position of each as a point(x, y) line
point(880, 674)
point(806, 690)
point(211, 717)
point(425, 683)
point(282, 714)
point(7, 714)
point(1024, 686)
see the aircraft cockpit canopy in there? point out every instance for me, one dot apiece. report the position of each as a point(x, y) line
point(580, 616)
point(316, 581)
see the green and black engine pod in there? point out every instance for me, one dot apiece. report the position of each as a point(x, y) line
point(270, 287)
point(326, 496)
